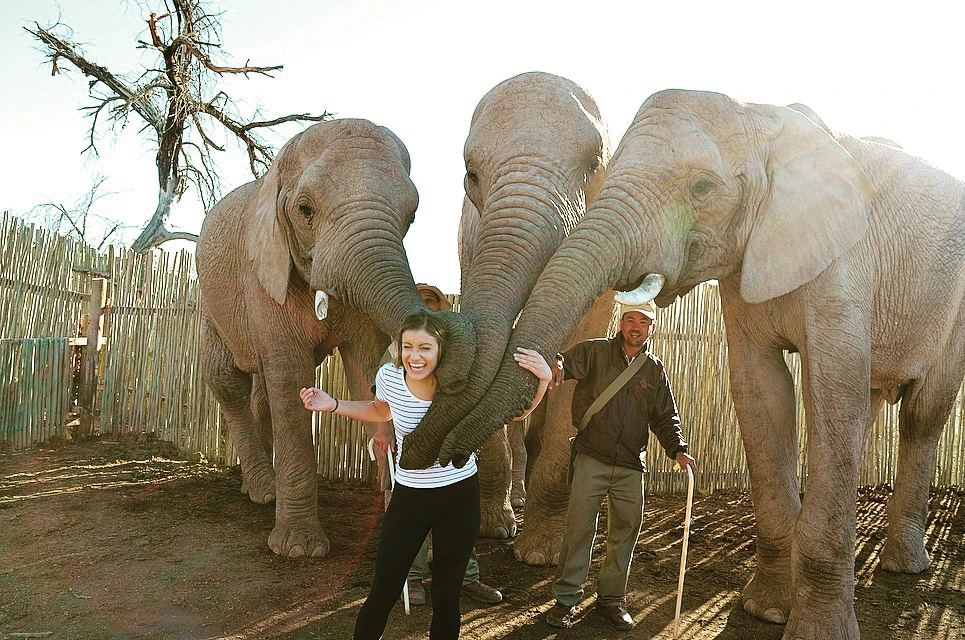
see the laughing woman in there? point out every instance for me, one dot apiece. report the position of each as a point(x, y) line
point(444, 500)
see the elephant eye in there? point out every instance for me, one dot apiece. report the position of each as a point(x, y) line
point(702, 186)
point(471, 177)
point(594, 165)
point(306, 211)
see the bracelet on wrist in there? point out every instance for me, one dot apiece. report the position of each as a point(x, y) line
point(336, 405)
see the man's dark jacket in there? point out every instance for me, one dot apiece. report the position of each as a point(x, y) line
point(618, 433)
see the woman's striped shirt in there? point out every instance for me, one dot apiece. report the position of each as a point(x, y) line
point(407, 411)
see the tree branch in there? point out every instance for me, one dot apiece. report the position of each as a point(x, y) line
point(169, 97)
point(63, 48)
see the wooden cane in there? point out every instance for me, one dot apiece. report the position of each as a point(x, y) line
point(683, 553)
point(391, 463)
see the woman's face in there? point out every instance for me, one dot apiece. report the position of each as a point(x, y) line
point(420, 353)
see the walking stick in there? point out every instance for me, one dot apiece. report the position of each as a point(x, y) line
point(391, 463)
point(683, 552)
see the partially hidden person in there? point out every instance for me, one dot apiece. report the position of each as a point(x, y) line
point(444, 500)
point(472, 585)
point(622, 395)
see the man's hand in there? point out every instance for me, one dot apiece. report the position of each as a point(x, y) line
point(384, 437)
point(558, 373)
point(684, 461)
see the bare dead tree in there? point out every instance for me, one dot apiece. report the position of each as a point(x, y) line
point(79, 220)
point(177, 104)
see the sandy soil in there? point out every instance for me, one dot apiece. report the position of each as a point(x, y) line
point(107, 539)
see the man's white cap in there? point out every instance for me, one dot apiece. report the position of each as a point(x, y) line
point(647, 309)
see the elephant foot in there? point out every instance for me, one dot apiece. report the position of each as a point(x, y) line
point(517, 495)
point(904, 554)
point(259, 483)
point(768, 597)
point(499, 524)
point(539, 546)
point(298, 539)
point(822, 623)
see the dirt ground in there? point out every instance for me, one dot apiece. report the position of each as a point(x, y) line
point(107, 539)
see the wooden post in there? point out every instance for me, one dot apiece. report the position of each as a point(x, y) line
point(88, 382)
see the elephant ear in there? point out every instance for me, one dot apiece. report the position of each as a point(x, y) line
point(817, 207)
point(266, 240)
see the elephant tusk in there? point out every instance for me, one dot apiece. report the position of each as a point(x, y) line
point(321, 305)
point(645, 292)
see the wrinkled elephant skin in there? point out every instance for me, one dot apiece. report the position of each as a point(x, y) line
point(265, 249)
point(536, 153)
point(848, 251)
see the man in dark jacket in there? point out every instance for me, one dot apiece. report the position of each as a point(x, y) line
point(608, 460)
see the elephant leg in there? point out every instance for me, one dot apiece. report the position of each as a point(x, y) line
point(297, 531)
point(497, 517)
point(517, 446)
point(548, 448)
point(360, 360)
point(261, 412)
point(232, 387)
point(763, 394)
point(925, 408)
point(838, 405)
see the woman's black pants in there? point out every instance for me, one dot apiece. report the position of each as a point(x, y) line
point(452, 514)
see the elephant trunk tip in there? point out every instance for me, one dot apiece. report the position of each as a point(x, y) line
point(459, 459)
point(415, 456)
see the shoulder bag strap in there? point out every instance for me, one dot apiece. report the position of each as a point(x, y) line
point(612, 389)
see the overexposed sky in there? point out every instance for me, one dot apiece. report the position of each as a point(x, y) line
point(419, 68)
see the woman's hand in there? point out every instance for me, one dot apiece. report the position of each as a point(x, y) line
point(317, 400)
point(535, 363)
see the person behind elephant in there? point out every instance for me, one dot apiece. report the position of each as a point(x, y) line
point(607, 460)
point(472, 585)
point(444, 500)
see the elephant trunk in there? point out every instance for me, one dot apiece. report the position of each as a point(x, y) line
point(590, 261)
point(525, 233)
point(383, 289)
point(381, 286)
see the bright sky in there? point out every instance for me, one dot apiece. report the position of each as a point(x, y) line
point(419, 68)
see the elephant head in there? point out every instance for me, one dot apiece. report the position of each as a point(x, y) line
point(701, 187)
point(332, 211)
point(535, 156)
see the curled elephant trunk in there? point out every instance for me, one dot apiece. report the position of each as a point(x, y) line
point(382, 288)
point(493, 295)
point(569, 285)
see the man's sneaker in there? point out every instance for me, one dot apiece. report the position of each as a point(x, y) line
point(482, 592)
point(560, 616)
point(417, 593)
point(616, 615)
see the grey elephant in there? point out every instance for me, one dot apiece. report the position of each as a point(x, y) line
point(535, 155)
point(306, 259)
point(850, 252)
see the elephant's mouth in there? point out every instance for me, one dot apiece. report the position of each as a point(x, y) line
point(321, 305)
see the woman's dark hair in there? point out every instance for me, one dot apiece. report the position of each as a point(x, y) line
point(422, 320)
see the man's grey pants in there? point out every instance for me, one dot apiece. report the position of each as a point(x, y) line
point(592, 480)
